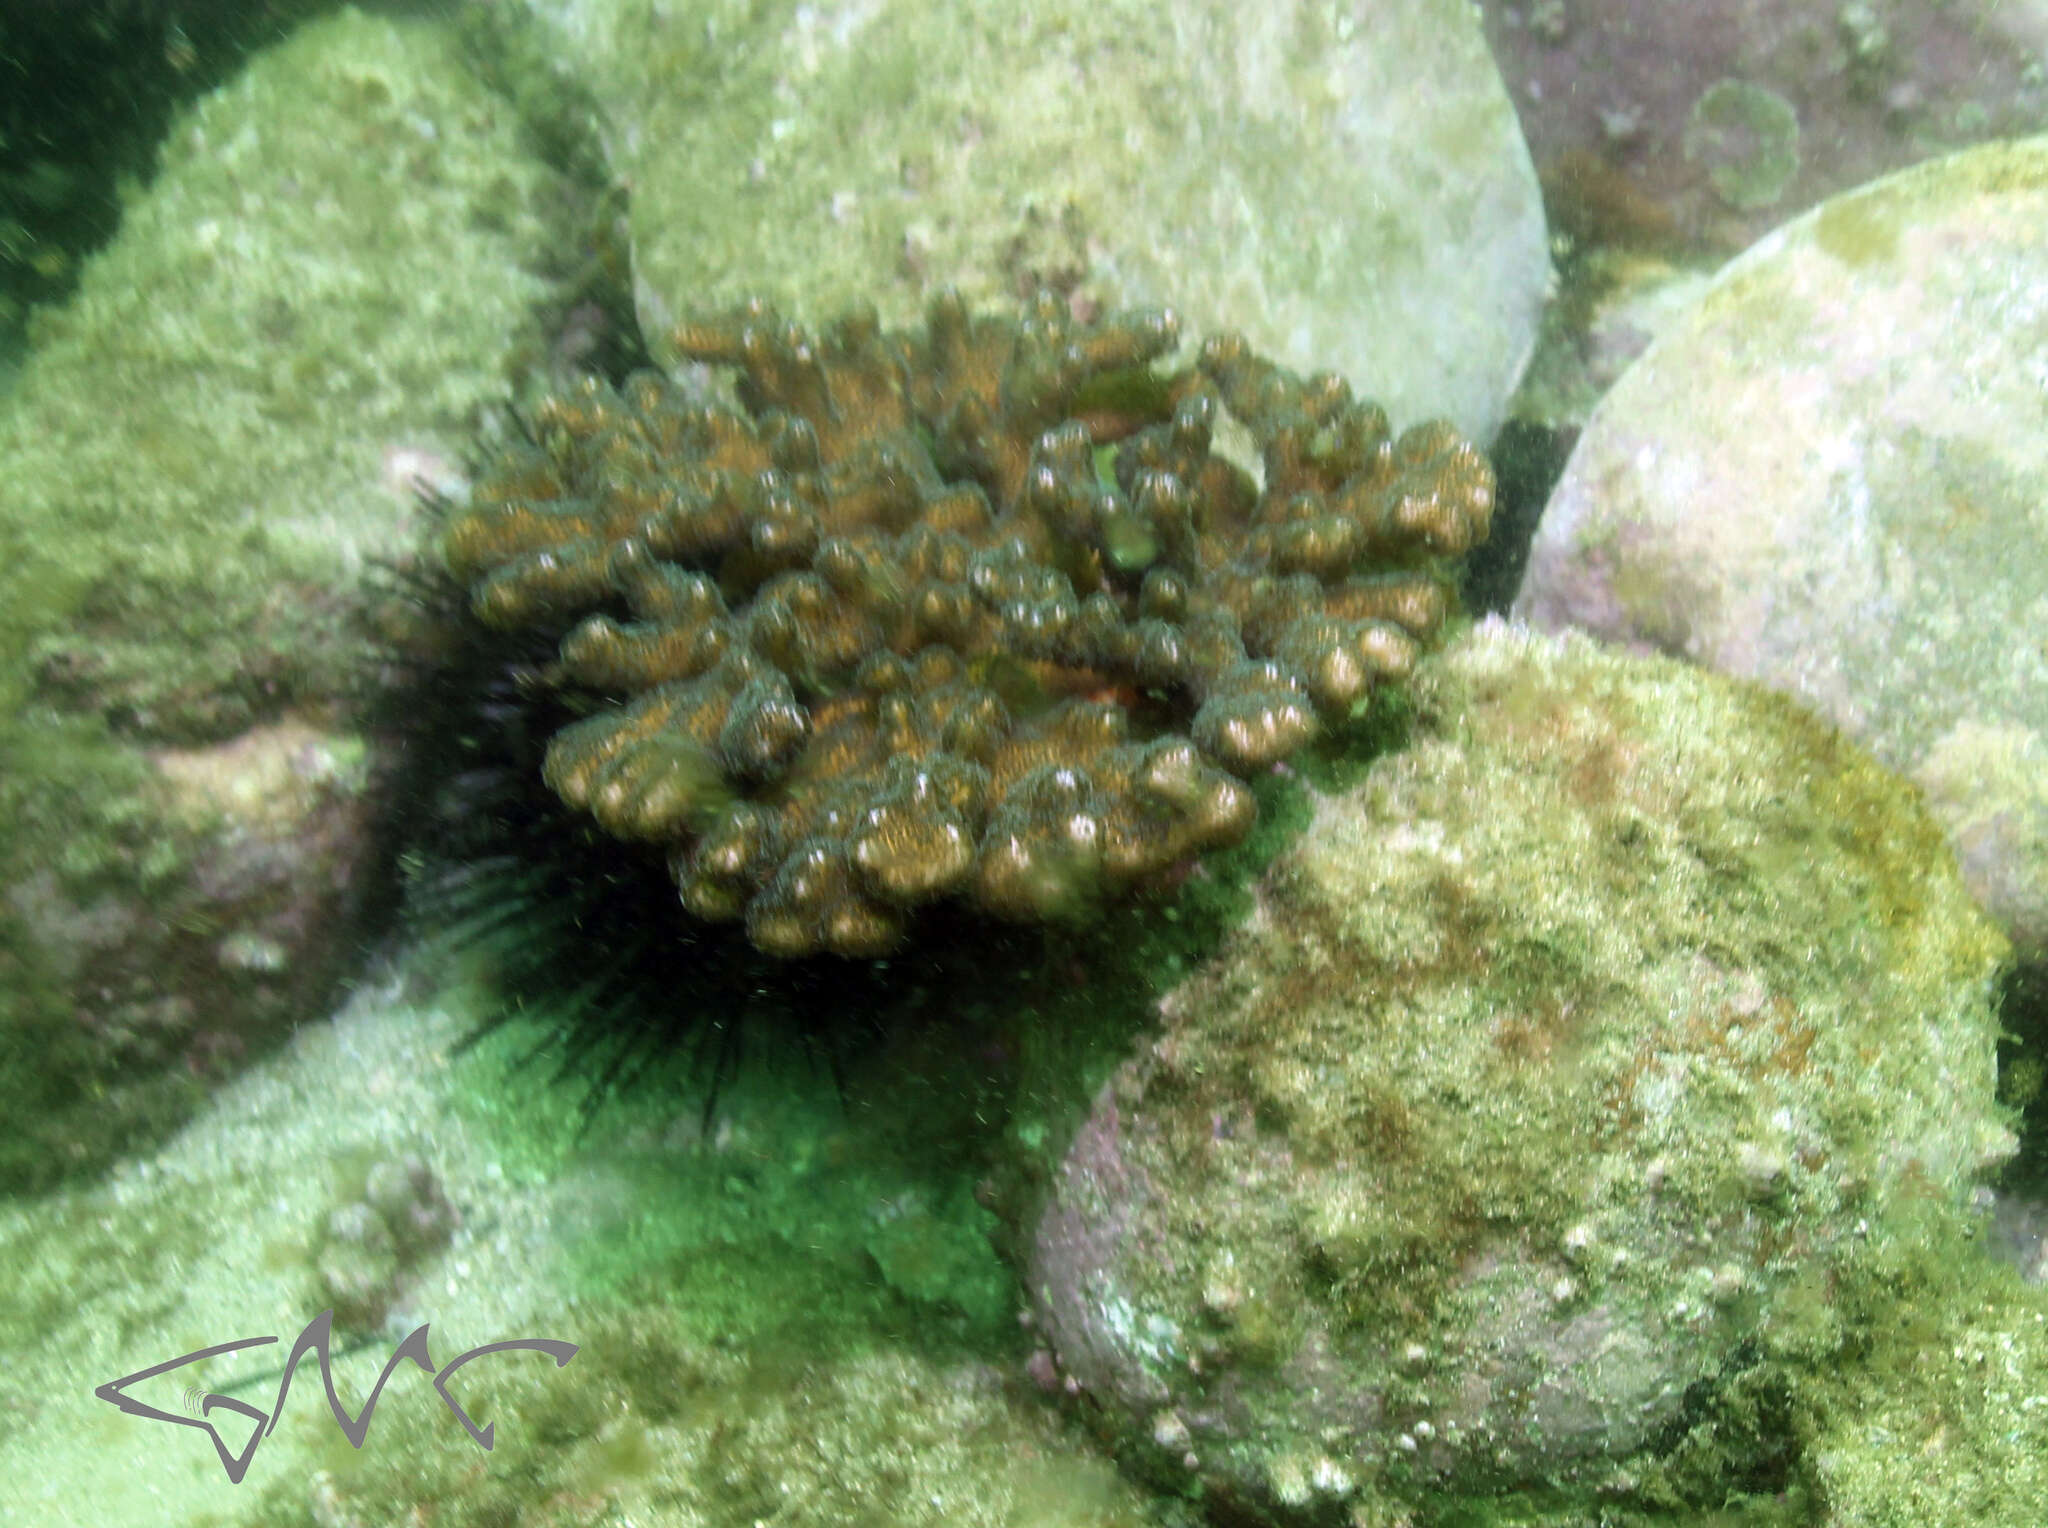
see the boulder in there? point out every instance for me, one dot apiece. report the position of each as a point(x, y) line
point(1828, 476)
point(1560, 1061)
point(1353, 195)
point(204, 451)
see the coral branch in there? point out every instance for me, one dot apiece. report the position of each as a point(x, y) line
point(954, 614)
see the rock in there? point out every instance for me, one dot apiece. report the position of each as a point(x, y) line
point(299, 319)
point(1828, 476)
point(1562, 1059)
point(1352, 194)
point(1947, 1431)
point(2020, 1232)
point(64, 154)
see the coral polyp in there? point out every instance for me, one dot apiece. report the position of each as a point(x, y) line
point(975, 613)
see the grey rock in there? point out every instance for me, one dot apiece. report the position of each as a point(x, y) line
point(1347, 188)
point(1830, 476)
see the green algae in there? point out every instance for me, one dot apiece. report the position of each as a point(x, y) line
point(1858, 230)
point(746, 1352)
point(660, 1396)
point(1941, 1414)
point(797, 1305)
point(657, 1430)
point(1748, 139)
point(971, 1075)
point(231, 366)
point(1737, 464)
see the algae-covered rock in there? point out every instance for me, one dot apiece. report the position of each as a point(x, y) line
point(1562, 1059)
point(205, 447)
point(1828, 476)
point(91, 85)
point(1944, 1422)
point(1350, 190)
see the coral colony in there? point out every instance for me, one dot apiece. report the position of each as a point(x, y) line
point(973, 613)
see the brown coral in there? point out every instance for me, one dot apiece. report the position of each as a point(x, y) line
point(900, 628)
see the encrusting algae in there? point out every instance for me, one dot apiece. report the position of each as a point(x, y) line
point(974, 613)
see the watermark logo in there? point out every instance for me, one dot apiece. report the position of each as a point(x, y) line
point(315, 1338)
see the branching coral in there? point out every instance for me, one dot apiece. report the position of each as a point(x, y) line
point(971, 613)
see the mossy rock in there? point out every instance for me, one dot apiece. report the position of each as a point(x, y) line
point(1561, 1063)
point(1827, 476)
point(1351, 192)
point(205, 447)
